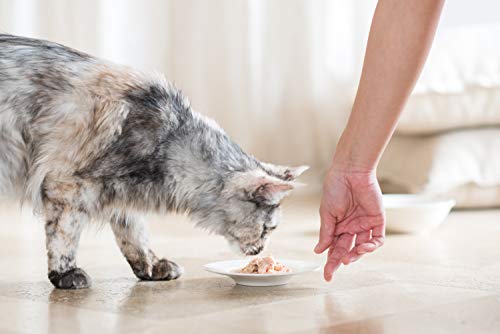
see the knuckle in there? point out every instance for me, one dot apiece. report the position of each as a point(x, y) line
point(329, 226)
point(366, 226)
point(339, 253)
point(353, 229)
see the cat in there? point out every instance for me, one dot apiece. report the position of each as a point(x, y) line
point(82, 140)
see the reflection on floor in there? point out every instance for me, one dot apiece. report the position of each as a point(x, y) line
point(447, 282)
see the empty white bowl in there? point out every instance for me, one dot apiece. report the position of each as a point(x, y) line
point(415, 213)
point(230, 268)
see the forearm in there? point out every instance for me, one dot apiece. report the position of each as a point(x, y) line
point(400, 38)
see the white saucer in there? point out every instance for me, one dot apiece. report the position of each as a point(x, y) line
point(230, 268)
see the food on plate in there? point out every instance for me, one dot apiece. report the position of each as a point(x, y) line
point(264, 265)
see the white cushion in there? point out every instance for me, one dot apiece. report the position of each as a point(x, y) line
point(460, 83)
point(464, 162)
point(432, 113)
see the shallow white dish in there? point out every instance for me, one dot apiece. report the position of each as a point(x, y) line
point(415, 213)
point(230, 268)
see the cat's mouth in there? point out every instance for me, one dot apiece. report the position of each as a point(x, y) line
point(248, 249)
point(253, 250)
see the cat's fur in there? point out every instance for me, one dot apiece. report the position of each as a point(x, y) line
point(82, 139)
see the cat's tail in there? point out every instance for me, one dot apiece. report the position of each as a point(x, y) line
point(13, 166)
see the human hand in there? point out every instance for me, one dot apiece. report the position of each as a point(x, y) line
point(351, 212)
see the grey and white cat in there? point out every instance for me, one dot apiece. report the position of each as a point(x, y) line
point(83, 140)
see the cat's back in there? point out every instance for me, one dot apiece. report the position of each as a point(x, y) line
point(33, 71)
point(38, 76)
point(23, 55)
point(31, 64)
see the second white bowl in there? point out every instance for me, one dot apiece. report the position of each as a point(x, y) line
point(415, 213)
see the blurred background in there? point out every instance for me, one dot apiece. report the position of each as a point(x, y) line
point(280, 77)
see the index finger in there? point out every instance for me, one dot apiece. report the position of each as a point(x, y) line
point(340, 249)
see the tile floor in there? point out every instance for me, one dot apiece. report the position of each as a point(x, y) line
point(444, 282)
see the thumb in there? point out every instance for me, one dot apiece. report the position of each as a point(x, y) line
point(326, 233)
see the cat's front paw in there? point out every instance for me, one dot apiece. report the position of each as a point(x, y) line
point(72, 279)
point(163, 270)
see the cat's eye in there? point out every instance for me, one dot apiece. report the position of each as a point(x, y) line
point(267, 228)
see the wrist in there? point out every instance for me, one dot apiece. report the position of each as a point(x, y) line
point(353, 174)
point(351, 166)
point(349, 158)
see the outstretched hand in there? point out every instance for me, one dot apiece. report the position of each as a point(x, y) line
point(352, 218)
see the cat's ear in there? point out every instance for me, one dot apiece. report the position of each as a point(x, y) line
point(271, 192)
point(283, 172)
point(260, 187)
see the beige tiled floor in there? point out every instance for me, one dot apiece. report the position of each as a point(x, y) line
point(444, 282)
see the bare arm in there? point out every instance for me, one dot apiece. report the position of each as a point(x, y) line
point(352, 217)
point(400, 38)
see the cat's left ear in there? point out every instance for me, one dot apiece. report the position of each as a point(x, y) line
point(271, 192)
point(260, 187)
point(283, 172)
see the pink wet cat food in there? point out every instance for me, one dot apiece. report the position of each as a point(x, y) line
point(264, 265)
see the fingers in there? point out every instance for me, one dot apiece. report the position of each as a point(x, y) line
point(353, 255)
point(378, 236)
point(342, 246)
point(359, 225)
point(357, 252)
point(326, 233)
point(365, 245)
point(379, 232)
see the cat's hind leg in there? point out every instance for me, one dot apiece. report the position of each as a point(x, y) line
point(63, 226)
point(132, 238)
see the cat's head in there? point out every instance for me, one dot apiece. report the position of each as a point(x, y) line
point(249, 205)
